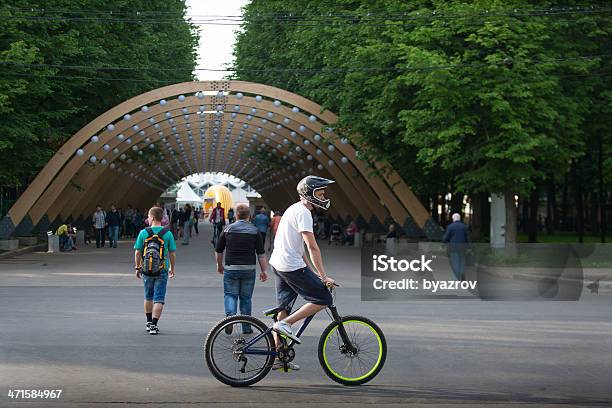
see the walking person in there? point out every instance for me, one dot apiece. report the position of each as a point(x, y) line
point(154, 261)
point(113, 220)
point(274, 227)
point(457, 236)
point(137, 221)
point(217, 218)
point(230, 216)
point(196, 220)
point(186, 224)
point(241, 242)
point(99, 223)
point(129, 222)
point(262, 222)
point(174, 222)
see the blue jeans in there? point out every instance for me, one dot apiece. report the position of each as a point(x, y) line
point(238, 284)
point(113, 235)
point(457, 261)
point(186, 231)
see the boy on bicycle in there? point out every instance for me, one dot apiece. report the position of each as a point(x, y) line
point(294, 270)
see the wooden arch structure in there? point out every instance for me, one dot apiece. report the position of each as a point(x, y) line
point(264, 135)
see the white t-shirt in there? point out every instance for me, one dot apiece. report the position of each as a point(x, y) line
point(288, 243)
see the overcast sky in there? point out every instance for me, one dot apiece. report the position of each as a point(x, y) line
point(216, 41)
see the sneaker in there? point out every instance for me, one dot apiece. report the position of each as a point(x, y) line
point(153, 330)
point(278, 365)
point(284, 329)
point(148, 327)
point(229, 329)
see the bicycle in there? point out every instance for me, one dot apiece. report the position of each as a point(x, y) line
point(352, 349)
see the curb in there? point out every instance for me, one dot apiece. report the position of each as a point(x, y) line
point(24, 250)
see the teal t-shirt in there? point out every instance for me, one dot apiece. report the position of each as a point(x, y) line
point(169, 244)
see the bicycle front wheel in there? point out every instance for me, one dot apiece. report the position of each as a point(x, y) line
point(363, 362)
point(224, 355)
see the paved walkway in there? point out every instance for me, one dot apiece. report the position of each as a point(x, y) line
point(74, 321)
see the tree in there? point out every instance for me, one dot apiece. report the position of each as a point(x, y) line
point(43, 101)
point(470, 96)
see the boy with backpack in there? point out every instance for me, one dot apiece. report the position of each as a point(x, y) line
point(154, 259)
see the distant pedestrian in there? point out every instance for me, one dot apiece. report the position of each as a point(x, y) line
point(457, 236)
point(392, 232)
point(274, 227)
point(240, 241)
point(230, 215)
point(217, 218)
point(262, 222)
point(154, 259)
point(137, 221)
point(174, 222)
point(349, 233)
point(195, 220)
point(186, 224)
point(121, 223)
point(129, 222)
point(113, 220)
point(99, 223)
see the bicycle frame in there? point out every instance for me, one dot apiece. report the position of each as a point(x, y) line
point(247, 350)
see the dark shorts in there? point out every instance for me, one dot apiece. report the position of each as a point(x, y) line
point(303, 282)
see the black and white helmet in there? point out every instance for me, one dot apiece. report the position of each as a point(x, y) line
point(308, 185)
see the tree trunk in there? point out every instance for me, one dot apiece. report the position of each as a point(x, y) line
point(552, 197)
point(579, 202)
point(594, 213)
point(524, 207)
point(551, 215)
point(481, 216)
point(601, 194)
point(564, 204)
point(476, 220)
point(532, 224)
point(511, 214)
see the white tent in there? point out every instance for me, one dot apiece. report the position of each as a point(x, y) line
point(185, 195)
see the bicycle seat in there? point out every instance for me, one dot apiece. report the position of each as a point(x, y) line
point(272, 312)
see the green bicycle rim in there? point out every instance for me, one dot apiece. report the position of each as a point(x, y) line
point(380, 349)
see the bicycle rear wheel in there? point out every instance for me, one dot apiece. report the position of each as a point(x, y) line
point(222, 351)
point(358, 367)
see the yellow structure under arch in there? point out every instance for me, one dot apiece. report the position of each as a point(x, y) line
point(217, 194)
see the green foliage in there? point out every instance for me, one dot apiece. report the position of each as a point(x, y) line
point(473, 101)
point(41, 107)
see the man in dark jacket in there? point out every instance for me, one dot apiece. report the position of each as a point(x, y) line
point(113, 218)
point(240, 241)
point(457, 236)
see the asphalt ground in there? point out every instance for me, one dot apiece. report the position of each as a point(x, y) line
point(74, 321)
